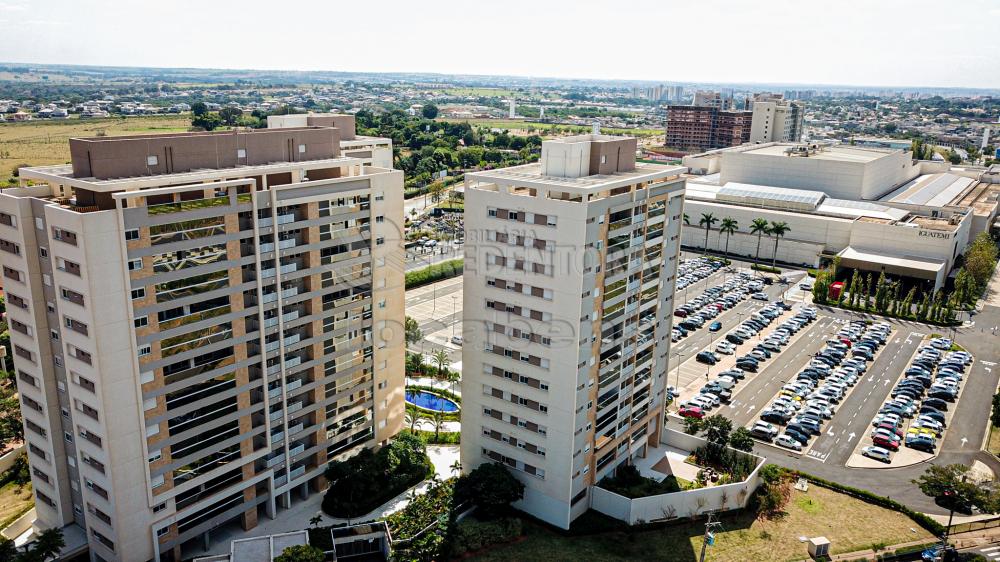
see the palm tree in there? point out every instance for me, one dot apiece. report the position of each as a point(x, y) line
point(759, 227)
point(728, 227)
point(412, 417)
point(456, 467)
point(440, 357)
point(438, 420)
point(778, 229)
point(315, 520)
point(687, 219)
point(48, 545)
point(707, 220)
point(454, 377)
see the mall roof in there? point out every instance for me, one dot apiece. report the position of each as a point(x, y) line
point(933, 190)
point(766, 196)
point(907, 262)
point(838, 152)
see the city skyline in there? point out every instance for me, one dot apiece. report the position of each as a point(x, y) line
point(805, 44)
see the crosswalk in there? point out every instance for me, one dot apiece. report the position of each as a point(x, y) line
point(990, 552)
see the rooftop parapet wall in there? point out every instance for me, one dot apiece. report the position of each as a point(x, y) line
point(147, 155)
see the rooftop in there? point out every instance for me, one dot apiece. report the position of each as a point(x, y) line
point(531, 174)
point(838, 152)
point(934, 190)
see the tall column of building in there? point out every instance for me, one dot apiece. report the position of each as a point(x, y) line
point(568, 284)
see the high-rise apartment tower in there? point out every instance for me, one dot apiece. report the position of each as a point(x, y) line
point(568, 293)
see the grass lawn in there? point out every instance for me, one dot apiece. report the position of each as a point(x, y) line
point(850, 524)
point(15, 500)
point(994, 443)
point(42, 143)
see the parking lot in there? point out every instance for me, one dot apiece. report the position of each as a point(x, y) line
point(884, 382)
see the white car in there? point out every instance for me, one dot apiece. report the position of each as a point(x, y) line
point(725, 348)
point(760, 296)
point(787, 442)
point(457, 340)
point(877, 453)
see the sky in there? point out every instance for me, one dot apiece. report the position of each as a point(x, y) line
point(933, 43)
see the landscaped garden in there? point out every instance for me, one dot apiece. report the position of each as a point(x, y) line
point(850, 524)
point(367, 480)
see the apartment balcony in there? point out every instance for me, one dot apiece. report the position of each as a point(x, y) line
point(280, 481)
point(295, 429)
point(282, 219)
point(297, 472)
point(265, 247)
point(275, 415)
point(277, 436)
point(275, 461)
point(300, 448)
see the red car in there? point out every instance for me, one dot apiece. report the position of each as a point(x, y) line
point(847, 342)
point(891, 444)
point(891, 428)
point(680, 313)
point(691, 412)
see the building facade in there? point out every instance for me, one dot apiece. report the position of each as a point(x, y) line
point(568, 288)
point(776, 119)
point(201, 321)
point(373, 151)
point(695, 127)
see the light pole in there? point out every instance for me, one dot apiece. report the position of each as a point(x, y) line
point(454, 319)
point(677, 378)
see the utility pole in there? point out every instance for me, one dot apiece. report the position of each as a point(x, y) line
point(709, 536)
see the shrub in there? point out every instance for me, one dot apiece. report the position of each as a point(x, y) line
point(629, 483)
point(432, 273)
point(301, 553)
point(368, 480)
point(491, 487)
point(765, 268)
point(471, 535)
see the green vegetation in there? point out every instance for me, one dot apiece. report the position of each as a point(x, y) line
point(850, 525)
point(629, 483)
point(367, 480)
point(979, 262)
point(16, 498)
point(719, 453)
point(950, 488)
point(433, 273)
point(181, 206)
point(441, 438)
point(47, 545)
point(470, 535)
point(301, 553)
point(765, 268)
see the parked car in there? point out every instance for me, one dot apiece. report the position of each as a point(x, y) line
point(877, 453)
point(691, 412)
point(786, 441)
point(707, 357)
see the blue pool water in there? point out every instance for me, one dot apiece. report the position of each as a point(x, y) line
point(430, 401)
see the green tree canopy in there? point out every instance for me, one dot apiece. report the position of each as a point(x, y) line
point(491, 487)
point(301, 553)
point(430, 111)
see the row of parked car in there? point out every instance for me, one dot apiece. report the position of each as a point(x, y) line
point(706, 306)
point(810, 399)
point(752, 326)
point(690, 271)
point(929, 385)
point(719, 390)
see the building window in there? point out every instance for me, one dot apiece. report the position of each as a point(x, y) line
point(134, 265)
point(380, 240)
point(241, 153)
point(43, 251)
point(145, 350)
point(132, 234)
point(139, 293)
point(152, 160)
point(141, 321)
point(379, 219)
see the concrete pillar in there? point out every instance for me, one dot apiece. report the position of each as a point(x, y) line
point(249, 519)
point(270, 507)
point(206, 541)
point(304, 491)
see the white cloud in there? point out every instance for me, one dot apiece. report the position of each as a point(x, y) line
point(9, 7)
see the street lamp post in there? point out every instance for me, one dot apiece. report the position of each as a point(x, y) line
point(454, 319)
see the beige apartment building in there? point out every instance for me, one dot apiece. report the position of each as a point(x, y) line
point(374, 151)
point(200, 322)
point(776, 119)
point(569, 278)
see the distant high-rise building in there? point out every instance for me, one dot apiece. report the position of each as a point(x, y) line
point(200, 323)
point(691, 127)
point(776, 119)
point(512, 113)
point(568, 294)
point(676, 94)
point(704, 98)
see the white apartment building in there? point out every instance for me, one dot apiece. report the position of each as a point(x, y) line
point(776, 119)
point(200, 322)
point(568, 293)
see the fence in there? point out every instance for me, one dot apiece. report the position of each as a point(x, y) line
point(974, 526)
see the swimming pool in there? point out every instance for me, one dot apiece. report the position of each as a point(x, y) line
point(428, 401)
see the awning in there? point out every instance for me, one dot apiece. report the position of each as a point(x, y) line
point(910, 266)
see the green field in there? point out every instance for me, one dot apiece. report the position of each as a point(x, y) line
point(42, 143)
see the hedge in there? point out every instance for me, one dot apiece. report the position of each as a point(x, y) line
point(432, 273)
point(443, 438)
point(765, 268)
point(924, 521)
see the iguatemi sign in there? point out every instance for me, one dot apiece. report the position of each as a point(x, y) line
point(935, 234)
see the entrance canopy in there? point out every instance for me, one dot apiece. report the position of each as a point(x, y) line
point(908, 266)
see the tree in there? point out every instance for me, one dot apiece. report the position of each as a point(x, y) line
point(741, 439)
point(456, 467)
point(717, 429)
point(693, 426)
point(301, 553)
point(430, 111)
point(412, 418)
point(728, 227)
point(951, 487)
point(230, 115)
point(437, 418)
point(707, 220)
point(48, 545)
point(778, 229)
point(687, 219)
point(207, 121)
point(199, 108)
point(442, 361)
point(315, 520)
point(491, 487)
point(759, 227)
point(412, 331)
point(954, 158)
